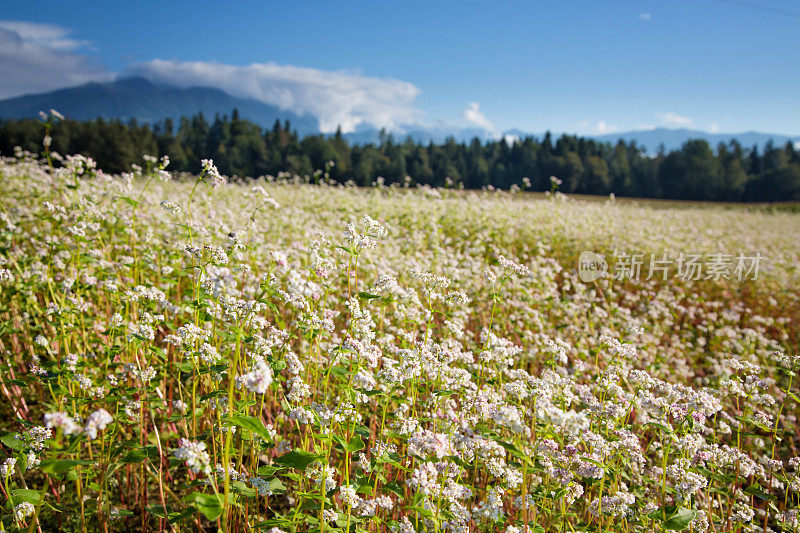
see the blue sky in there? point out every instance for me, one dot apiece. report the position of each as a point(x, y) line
point(575, 66)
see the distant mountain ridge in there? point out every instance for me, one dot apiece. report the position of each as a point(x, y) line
point(673, 139)
point(148, 102)
point(651, 140)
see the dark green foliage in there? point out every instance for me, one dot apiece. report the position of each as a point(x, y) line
point(240, 148)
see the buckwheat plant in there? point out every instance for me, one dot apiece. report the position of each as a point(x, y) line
point(293, 355)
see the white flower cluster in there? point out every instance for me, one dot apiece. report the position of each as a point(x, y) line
point(195, 455)
point(23, 510)
point(258, 379)
point(97, 421)
point(210, 171)
point(171, 207)
point(618, 504)
point(349, 499)
point(365, 240)
point(7, 467)
point(511, 266)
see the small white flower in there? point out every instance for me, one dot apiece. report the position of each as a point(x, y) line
point(193, 452)
point(98, 421)
point(24, 510)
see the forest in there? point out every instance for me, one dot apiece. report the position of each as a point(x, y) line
point(697, 171)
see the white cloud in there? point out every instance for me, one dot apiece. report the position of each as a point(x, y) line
point(645, 16)
point(336, 98)
point(47, 35)
point(472, 114)
point(601, 127)
point(714, 127)
point(42, 57)
point(37, 58)
point(673, 120)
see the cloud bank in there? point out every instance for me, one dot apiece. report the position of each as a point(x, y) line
point(42, 57)
point(472, 114)
point(336, 98)
point(601, 127)
point(672, 120)
point(38, 58)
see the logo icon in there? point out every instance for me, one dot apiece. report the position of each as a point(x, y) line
point(591, 266)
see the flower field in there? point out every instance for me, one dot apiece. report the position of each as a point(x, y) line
point(202, 355)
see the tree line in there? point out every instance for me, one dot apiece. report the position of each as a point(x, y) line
point(696, 171)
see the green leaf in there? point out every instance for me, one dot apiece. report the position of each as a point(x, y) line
point(677, 517)
point(594, 462)
point(753, 489)
point(135, 456)
point(209, 505)
point(427, 513)
point(662, 427)
point(157, 510)
point(52, 466)
point(394, 487)
point(181, 516)
point(355, 444)
point(388, 459)
point(214, 394)
point(240, 488)
point(756, 490)
point(348, 250)
point(370, 392)
point(266, 470)
point(139, 455)
point(514, 450)
point(367, 296)
point(680, 519)
point(276, 485)
point(13, 441)
point(298, 459)
point(25, 495)
point(250, 423)
point(275, 522)
point(22, 462)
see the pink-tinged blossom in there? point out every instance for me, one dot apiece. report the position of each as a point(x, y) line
point(97, 421)
point(62, 421)
point(193, 452)
point(258, 379)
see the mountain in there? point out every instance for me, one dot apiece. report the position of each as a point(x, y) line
point(366, 134)
point(651, 140)
point(672, 139)
point(148, 102)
